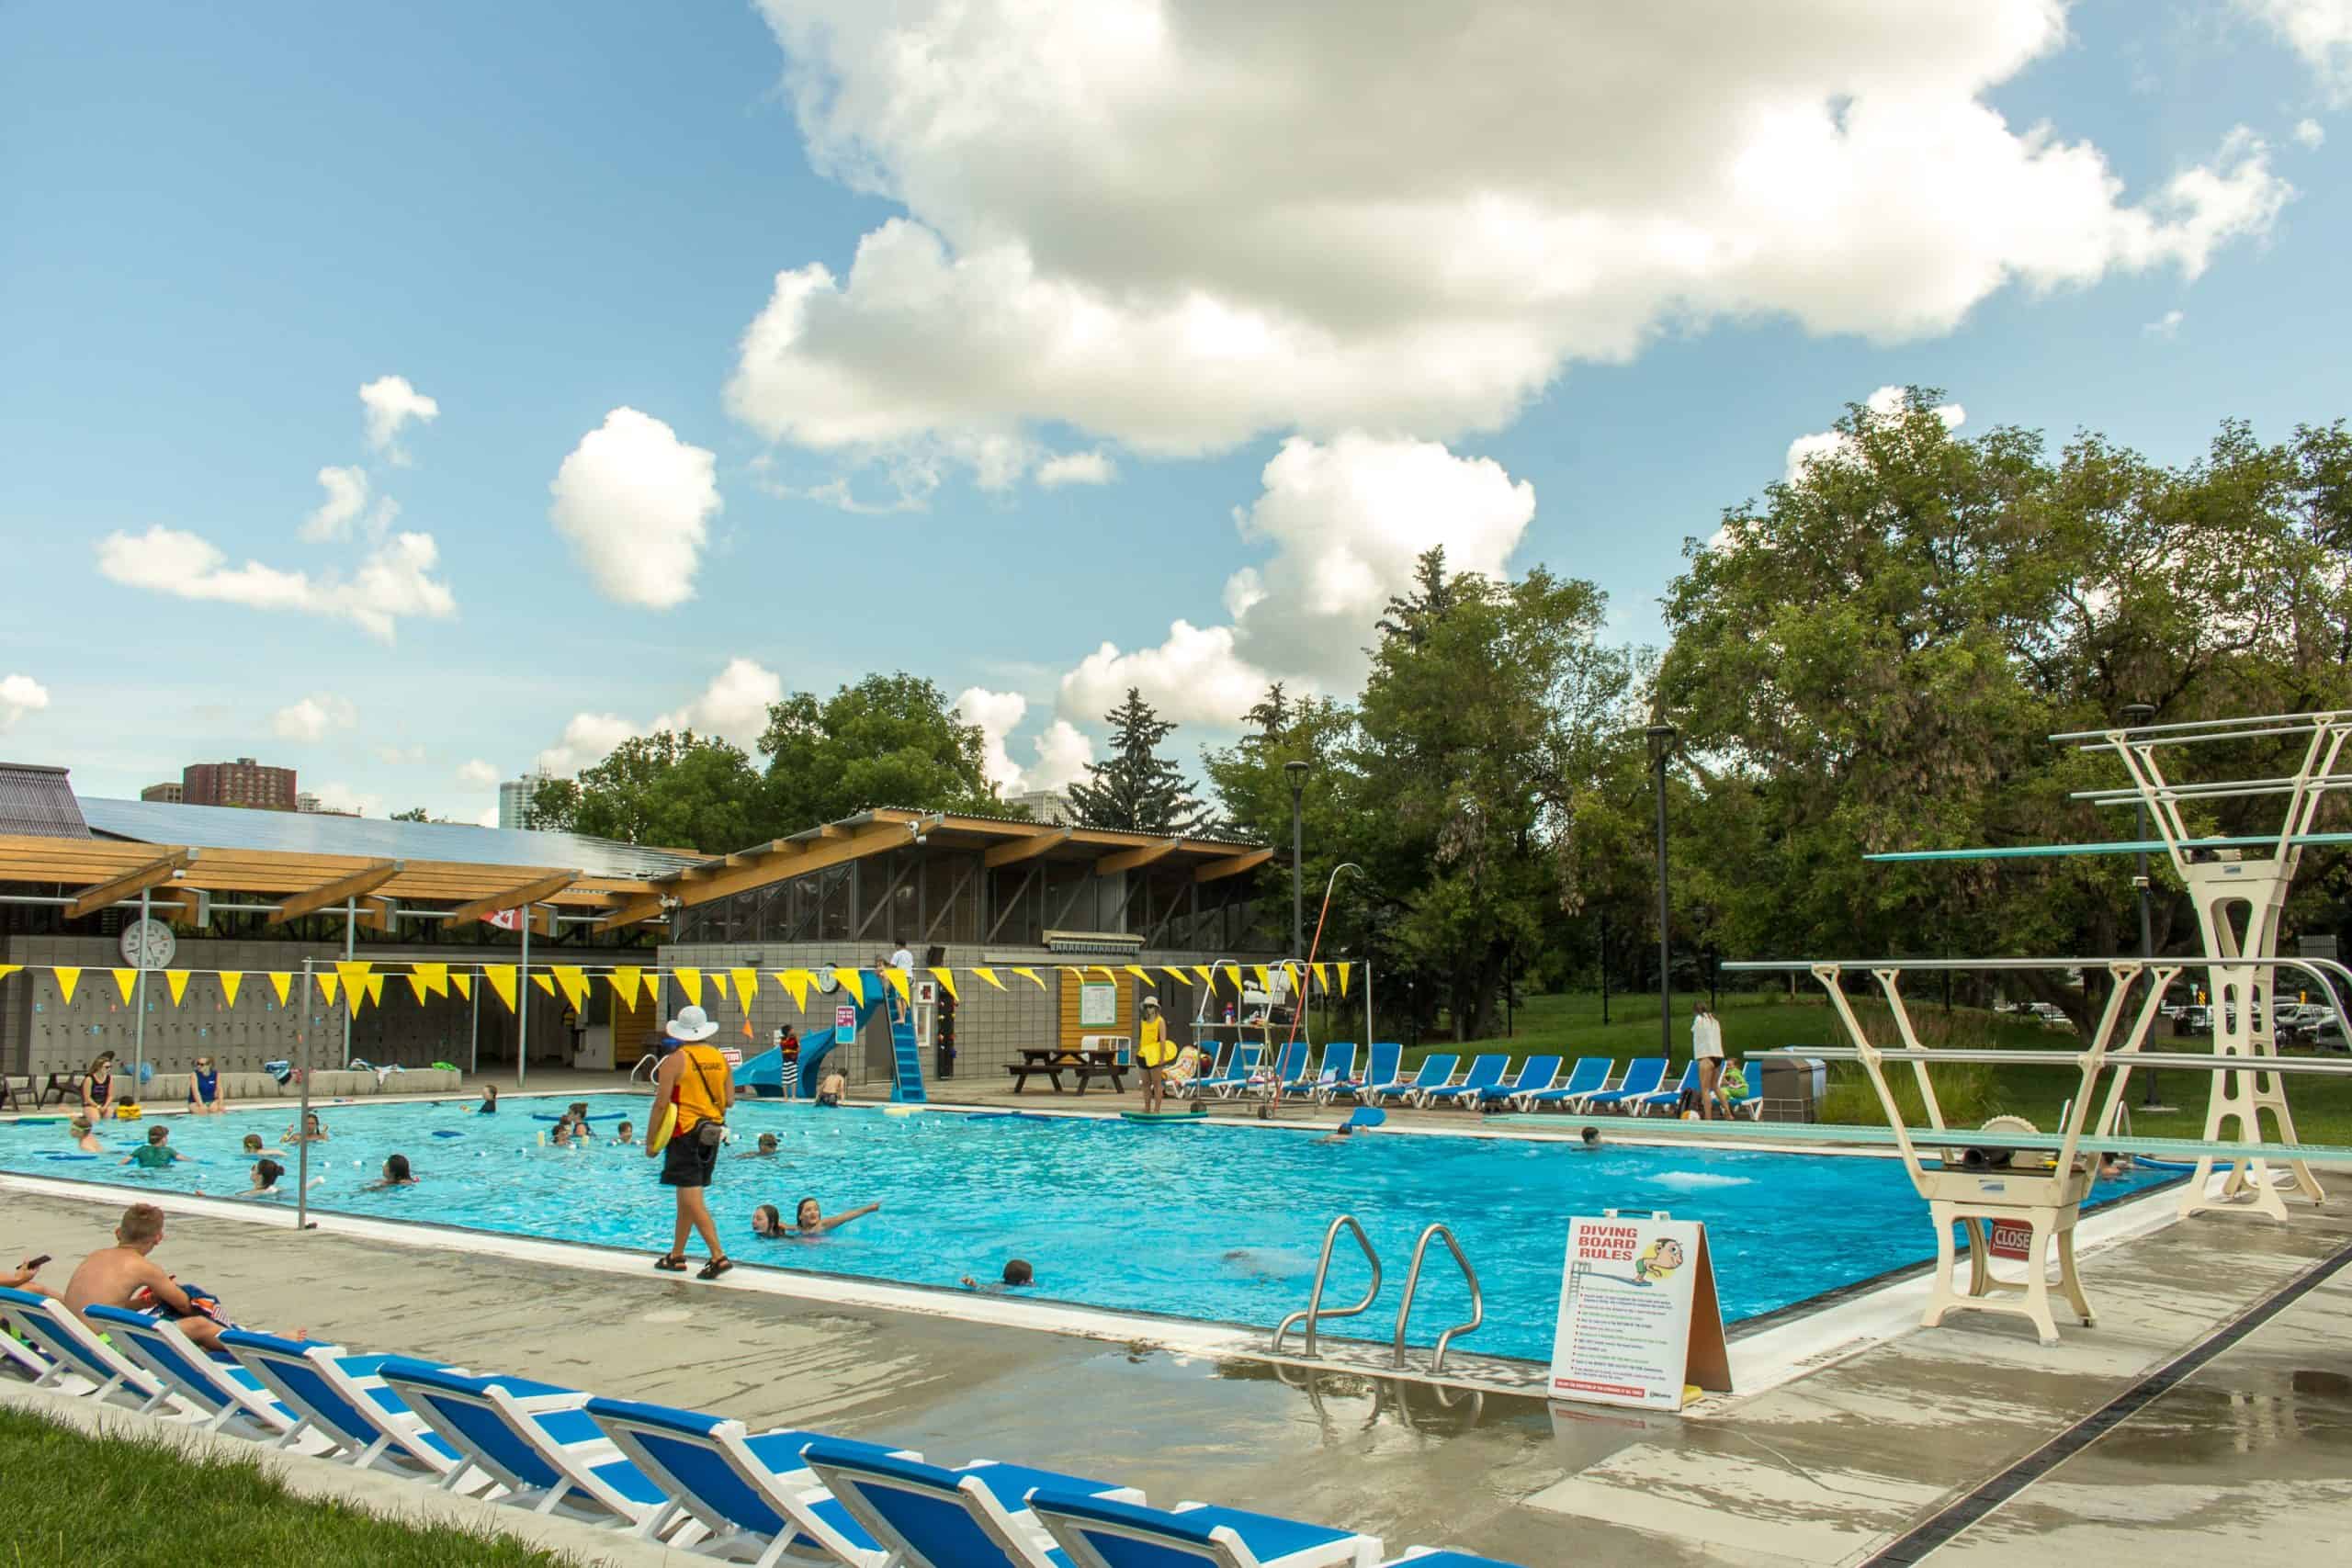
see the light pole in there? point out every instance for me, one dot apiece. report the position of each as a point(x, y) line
point(2134, 715)
point(1662, 738)
point(1297, 774)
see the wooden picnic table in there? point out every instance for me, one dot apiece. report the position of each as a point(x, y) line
point(1051, 1062)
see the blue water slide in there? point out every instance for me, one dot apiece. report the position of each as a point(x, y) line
point(763, 1074)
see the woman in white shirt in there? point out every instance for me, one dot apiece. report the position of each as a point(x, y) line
point(1707, 1050)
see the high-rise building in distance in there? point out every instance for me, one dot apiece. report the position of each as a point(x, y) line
point(241, 782)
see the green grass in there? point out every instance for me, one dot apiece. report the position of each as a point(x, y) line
point(67, 1497)
point(1569, 1025)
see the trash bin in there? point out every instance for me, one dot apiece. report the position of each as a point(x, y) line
point(1793, 1089)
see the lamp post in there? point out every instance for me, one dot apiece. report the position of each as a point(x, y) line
point(1296, 772)
point(2134, 715)
point(1662, 738)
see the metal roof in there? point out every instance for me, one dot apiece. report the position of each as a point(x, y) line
point(233, 827)
point(36, 799)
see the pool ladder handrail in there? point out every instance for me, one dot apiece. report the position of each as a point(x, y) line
point(1314, 1312)
point(1413, 1283)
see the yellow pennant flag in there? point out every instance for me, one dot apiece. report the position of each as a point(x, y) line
point(1208, 974)
point(68, 976)
point(1177, 971)
point(463, 985)
point(1322, 979)
point(1030, 975)
point(1140, 973)
point(326, 986)
point(8, 969)
point(354, 971)
point(946, 978)
point(1264, 983)
point(543, 983)
point(625, 980)
point(1343, 969)
point(795, 986)
point(433, 978)
point(747, 985)
point(853, 981)
point(690, 982)
point(502, 982)
point(989, 976)
point(1290, 973)
point(229, 980)
point(1108, 973)
point(574, 982)
point(127, 982)
point(355, 995)
point(416, 984)
point(898, 978)
point(375, 990)
point(177, 979)
point(281, 982)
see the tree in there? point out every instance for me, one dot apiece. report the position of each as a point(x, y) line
point(671, 791)
point(888, 741)
point(414, 813)
point(1138, 789)
point(1410, 614)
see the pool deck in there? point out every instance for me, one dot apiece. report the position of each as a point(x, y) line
point(2247, 1454)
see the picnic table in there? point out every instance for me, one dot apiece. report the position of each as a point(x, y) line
point(1051, 1062)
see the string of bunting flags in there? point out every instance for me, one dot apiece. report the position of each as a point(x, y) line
point(361, 982)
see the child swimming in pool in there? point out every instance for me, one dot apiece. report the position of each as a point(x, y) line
point(488, 1106)
point(766, 1151)
point(84, 1138)
point(767, 1221)
point(1017, 1276)
point(314, 1130)
point(266, 1173)
point(157, 1153)
point(809, 1220)
point(627, 1136)
point(396, 1174)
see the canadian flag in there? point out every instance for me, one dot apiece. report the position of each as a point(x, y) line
point(505, 919)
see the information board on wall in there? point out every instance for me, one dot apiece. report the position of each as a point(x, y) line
point(844, 1025)
point(1639, 1322)
point(1098, 1004)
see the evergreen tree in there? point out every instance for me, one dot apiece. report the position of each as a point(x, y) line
point(1410, 616)
point(1138, 789)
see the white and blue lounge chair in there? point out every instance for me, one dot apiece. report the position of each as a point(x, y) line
point(1100, 1533)
point(1665, 1098)
point(22, 1355)
point(538, 1441)
point(1643, 1074)
point(928, 1517)
point(1751, 1103)
point(1535, 1074)
point(1237, 1072)
point(1486, 1071)
point(1290, 1067)
point(1338, 1062)
point(1590, 1076)
point(72, 1347)
point(1386, 1054)
point(228, 1396)
point(1434, 1072)
point(1431, 1557)
point(755, 1495)
point(342, 1398)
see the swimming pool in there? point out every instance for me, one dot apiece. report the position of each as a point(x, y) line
point(1212, 1222)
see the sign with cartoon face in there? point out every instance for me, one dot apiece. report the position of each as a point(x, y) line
point(1639, 1323)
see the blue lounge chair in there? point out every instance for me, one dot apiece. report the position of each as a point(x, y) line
point(1100, 1533)
point(1435, 1070)
point(72, 1349)
point(1643, 1074)
point(1237, 1072)
point(928, 1517)
point(1590, 1076)
point(229, 1396)
point(342, 1398)
point(1535, 1074)
point(1750, 1104)
point(538, 1441)
point(1665, 1098)
point(1290, 1067)
point(755, 1495)
point(23, 1355)
point(1486, 1071)
point(1383, 1071)
point(1338, 1061)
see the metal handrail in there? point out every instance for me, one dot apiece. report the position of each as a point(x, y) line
point(1315, 1313)
point(1413, 1283)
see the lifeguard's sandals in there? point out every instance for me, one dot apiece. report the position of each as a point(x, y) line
point(2238, 886)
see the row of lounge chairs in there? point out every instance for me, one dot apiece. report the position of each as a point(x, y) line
point(1592, 1084)
point(700, 1482)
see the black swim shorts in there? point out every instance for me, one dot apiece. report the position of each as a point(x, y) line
point(687, 1162)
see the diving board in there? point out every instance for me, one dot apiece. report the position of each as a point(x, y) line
point(2114, 847)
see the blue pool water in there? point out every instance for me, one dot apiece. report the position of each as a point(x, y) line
point(1206, 1222)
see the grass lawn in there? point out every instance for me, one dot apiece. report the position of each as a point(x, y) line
point(1569, 1025)
point(71, 1497)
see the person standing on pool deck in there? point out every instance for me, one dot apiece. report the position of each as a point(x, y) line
point(1707, 1050)
point(1153, 1053)
point(694, 1079)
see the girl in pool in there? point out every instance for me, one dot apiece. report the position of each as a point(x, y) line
point(266, 1173)
point(488, 1106)
point(98, 1086)
point(204, 1096)
point(253, 1147)
point(811, 1221)
point(766, 1149)
point(314, 1130)
point(767, 1221)
point(396, 1174)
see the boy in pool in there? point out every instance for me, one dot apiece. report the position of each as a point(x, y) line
point(628, 1134)
point(84, 1138)
point(157, 1153)
point(832, 1086)
point(766, 1151)
point(1017, 1276)
point(809, 1221)
point(488, 1106)
point(254, 1146)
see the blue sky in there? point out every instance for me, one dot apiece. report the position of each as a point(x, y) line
point(217, 223)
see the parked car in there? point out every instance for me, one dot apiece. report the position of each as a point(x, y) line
point(2327, 1035)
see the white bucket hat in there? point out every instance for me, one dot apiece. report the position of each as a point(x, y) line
point(691, 1024)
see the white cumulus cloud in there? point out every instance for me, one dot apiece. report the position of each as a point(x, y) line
point(394, 582)
point(635, 503)
point(19, 695)
point(400, 756)
point(587, 740)
point(482, 775)
point(313, 716)
point(1062, 753)
point(489, 817)
point(346, 490)
point(1461, 201)
point(1061, 749)
point(2309, 134)
point(734, 706)
point(2318, 30)
point(392, 404)
point(2164, 326)
point(1077, 468)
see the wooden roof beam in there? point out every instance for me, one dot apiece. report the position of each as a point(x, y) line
point(311, 901)
point(530, 892)
point(1232, 865)
point(377, 913)
point(1029, 847)
point(154, 874)
point(1137, 858)
point(631, 912)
